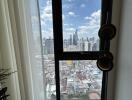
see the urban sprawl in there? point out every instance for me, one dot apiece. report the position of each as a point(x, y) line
point(79, 79)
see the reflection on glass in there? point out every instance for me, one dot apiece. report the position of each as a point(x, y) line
point(81, 22)
point(80, 80)
point(48, 49)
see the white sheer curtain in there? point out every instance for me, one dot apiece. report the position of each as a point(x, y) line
point(35, 47)
point(29, 22)
point(8, 59)
point(25, 36)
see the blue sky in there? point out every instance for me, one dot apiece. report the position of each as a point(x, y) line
point(83, 15)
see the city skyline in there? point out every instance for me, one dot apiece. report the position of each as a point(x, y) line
point(78, 78)
point(82, 15)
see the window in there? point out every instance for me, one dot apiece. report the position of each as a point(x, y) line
point(71, 48)
point(81, 22)
point(45, 7)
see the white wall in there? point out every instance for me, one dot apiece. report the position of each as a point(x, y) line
point(124, 60)
point(114, 49)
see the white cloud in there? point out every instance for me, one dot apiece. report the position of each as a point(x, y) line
point(70, 29)
point(68, 25)
point(63, 16)
point(67, 31)
point(92, 24)
point(96, 14)
point(71, 13)
point(70, 0)
point(47, 33)
point(67, 5)
point(47, 12)
point(82, 5)
point(87, 18)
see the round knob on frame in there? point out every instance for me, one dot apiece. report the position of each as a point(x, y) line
point(105, 62)
point(107, 31)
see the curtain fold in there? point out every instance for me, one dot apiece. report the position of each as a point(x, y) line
point(8, 59)
point(21, 50)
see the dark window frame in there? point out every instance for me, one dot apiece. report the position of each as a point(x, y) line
point(106, 16)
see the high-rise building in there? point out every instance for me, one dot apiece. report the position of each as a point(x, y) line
point(49, 46)
point(82, 45)
point(70, 39)
point(75, 37)
point(97, 41)
point(94, 47)
point(89, 46)
point(87, 39)
point(66, 43)
point(92, 39)
point(86, 46)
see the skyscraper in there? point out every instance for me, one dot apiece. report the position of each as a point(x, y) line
point(70, 39)
point(94, 47)
point(75, 37)
point(82, 45)
point(97, 41)
point(89, 46)
point(66, 43)
point(49, 46)
point(86, 46)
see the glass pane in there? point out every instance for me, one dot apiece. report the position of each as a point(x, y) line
point(48, 49)
point(81, 22)
point(35, 72)
point(80, 80)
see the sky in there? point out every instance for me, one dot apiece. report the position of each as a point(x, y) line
point(83, 15)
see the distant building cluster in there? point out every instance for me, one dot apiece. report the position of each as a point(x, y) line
point(48, 45)
point(79, 77)
point(76, 77)
point(80, 44)
point(74, 43)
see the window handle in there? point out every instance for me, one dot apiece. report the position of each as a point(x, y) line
point(105, 62)
point(107, 32)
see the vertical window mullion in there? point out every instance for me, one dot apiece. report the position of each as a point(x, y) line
point(58, 38)
point(105, 19)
